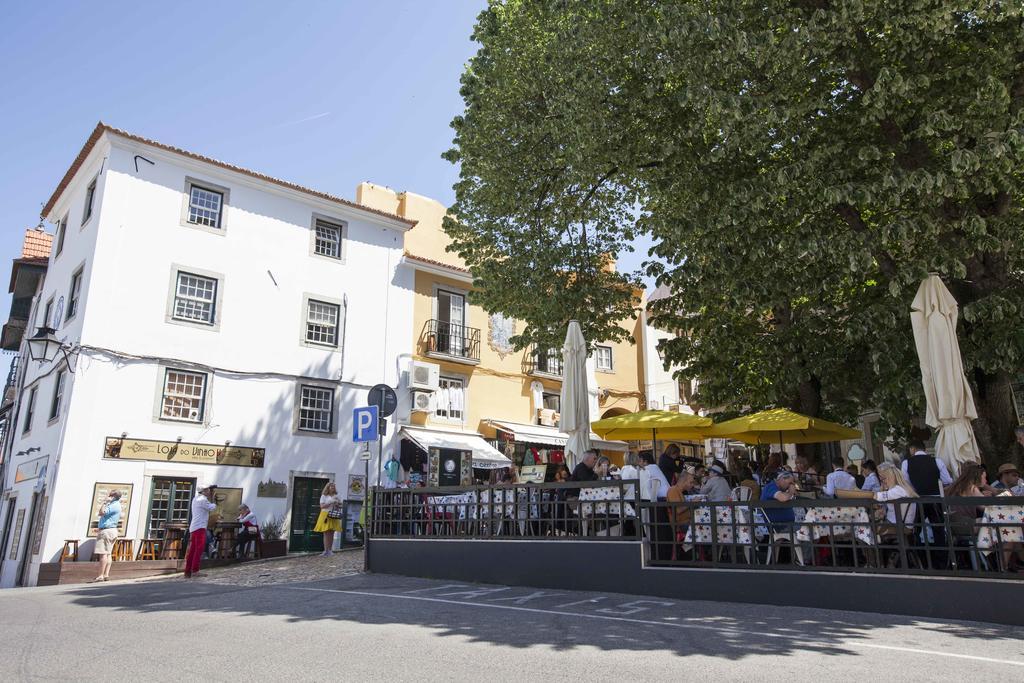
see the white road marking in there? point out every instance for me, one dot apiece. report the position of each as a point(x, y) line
point(648, 622)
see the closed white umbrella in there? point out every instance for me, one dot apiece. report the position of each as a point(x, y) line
point(951, 407)
point(575, 420)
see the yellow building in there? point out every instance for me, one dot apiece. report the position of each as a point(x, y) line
point(484, 388)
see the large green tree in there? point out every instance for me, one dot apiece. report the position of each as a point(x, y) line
point(801, 166)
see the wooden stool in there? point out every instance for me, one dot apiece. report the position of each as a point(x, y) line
point(257, 548)
point(70, 550)
point(173, 545)
point(122, 551)
point(147, 549)
point(226, 537)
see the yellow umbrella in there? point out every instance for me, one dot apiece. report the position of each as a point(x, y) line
point(781, 426)
point(652, 424)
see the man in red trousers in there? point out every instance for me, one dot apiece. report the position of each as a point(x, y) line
point(202, 506)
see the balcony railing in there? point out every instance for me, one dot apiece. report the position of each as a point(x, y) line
point(452, 341)
point(546, 362)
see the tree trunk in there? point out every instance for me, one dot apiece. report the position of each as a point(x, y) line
point(808, 402)
point(997, 418)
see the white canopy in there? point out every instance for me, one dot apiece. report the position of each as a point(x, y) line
point(950, 401)
point(485, 456)
point(550, 436)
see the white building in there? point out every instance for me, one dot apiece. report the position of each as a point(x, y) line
point(663, 391)
point(224, 325)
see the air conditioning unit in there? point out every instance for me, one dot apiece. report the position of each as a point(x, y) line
point(548, 417)
point(424, 375)
point(421, 401)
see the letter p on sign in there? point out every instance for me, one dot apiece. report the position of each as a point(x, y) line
point(364, 424)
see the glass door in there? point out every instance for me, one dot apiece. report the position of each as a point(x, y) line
point(170, 502)
point(451, 314)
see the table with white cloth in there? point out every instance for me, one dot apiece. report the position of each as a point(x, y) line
point(1005, 521)
point(819, 522)
point(604, 501)
point(702, 531)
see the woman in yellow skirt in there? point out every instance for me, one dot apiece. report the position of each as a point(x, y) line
point(326, 524)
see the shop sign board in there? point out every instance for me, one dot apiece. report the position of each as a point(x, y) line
point(118, 448)
point(31, 469)
point(100, 492)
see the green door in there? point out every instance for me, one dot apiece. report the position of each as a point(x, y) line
point(305, 510)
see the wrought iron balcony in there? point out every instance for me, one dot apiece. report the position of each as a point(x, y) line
point(545, 362)
point(453, 342)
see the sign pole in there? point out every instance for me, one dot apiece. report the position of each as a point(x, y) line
point(367, 510)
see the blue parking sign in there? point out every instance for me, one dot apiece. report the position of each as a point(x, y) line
point(364, 424)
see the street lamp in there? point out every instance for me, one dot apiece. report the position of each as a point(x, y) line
point(44, 345)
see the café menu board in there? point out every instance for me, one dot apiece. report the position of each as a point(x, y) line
point(100, 493)
point(117, 448)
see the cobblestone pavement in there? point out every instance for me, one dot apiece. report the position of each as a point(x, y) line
point(293, 569)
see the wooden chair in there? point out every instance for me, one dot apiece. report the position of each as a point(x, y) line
point(123, 550)
point(70, 550)
point(173, 545)
point(148, 549)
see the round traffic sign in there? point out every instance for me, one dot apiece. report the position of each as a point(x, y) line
point(384, 397)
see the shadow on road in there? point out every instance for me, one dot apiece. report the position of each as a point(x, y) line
point(524, 617)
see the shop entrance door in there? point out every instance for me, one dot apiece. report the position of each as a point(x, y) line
point(170, 502)
point(305, 510)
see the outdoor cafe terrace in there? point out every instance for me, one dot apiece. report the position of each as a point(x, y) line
point(969, 536)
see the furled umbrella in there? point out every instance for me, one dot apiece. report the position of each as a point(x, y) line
point(575, 419)
point(950, 403)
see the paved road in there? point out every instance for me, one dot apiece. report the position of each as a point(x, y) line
point(377, 627)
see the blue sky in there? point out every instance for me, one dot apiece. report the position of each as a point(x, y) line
point(322, 93)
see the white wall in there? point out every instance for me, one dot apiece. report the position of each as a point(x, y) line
point(128, 249)
point(660, 387)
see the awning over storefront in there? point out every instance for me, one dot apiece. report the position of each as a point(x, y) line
point(550, 436)
point(485, 456)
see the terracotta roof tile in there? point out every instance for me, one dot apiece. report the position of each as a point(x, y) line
point(432, 262)
point(104, 128)
point(37, 244)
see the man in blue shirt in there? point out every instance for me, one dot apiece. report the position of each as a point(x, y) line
point(783, 489)
point(110, 517)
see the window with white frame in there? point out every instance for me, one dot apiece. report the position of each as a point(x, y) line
point(450, 398)
point(552, 401)
point(316, 409)
point(58, 394)
point(328, 239)
point(184, 395)
point(73, 295)
point(90, 195)
point(603, 358)
point(62, 229)
point(205, 206)
point(195, 298)
point(30, 409)
point(322, 322)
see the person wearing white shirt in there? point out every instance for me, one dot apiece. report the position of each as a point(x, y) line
point(870, 476)
point(839, 478)
point(944, 477)
point(630, 472)
point(202, 506)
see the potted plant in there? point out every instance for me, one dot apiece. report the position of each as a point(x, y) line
point(274, 544)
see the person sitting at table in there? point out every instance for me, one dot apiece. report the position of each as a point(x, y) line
point(894, 486)
point(248, 533)
point(749, 480)
point(716, 488)
point(839, 478)
point(970, 484)
point(771, 468)
point(700, 473)
point(679, 515)
point(870, 476)
point(1008, 479)
point(783, 490)
point(602, 467)
point(585, 468)
point(858, 478)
